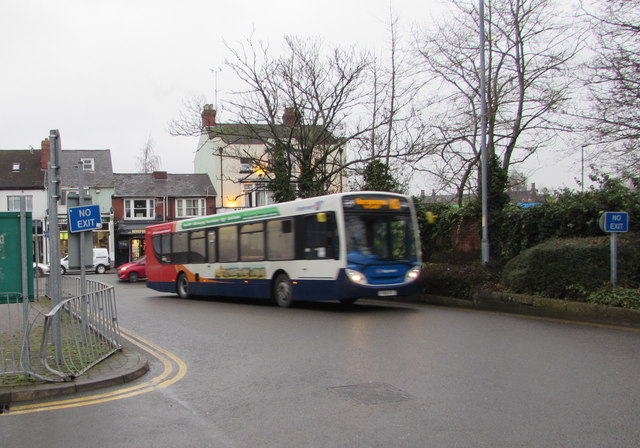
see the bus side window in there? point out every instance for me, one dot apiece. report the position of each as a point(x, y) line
point(280, 240)
point(180, 250)
point(156, 244)
point(164, 248)
point(320, 236)
point(252, 242)
point(228, 243)
point(211, 246)
point(197, 247)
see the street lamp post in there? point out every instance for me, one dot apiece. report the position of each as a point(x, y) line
point(582, 168)
point(483, 146)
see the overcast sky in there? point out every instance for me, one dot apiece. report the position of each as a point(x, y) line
point(112, 74)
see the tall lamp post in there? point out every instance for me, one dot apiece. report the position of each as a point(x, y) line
point(483, 146)
point(582, 168)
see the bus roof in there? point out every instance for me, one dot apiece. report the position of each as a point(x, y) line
point(291, 208)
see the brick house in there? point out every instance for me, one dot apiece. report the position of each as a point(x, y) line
point(142, 199)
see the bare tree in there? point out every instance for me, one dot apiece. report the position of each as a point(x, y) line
point(528, 53)
point(305, 105)
point(612, 78)
point(148, 161)
point(319, 90)
point(395, 128)
point(188, 123)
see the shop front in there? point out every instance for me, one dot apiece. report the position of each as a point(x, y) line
point(130, 242)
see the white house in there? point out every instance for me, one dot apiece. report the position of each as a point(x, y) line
point(229, 154)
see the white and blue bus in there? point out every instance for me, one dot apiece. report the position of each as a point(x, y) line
point(336, 247)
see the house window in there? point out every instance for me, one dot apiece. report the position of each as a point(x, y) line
point(189, 207)
point(245, 165)
point(13, 203)
point(256, 195)
point(15, 166)
point(88, 164)
point(139, 208)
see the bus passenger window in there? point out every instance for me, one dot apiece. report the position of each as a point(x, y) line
point(228, 243)
point(162, 248)
point(252, 242)
point(156, 244)
point(211, 246)
point(280, 242)
point(180, 250)
point(197, 247)
point(319, 236)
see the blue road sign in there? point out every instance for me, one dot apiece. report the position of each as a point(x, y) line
point(85, 217)
point(614, 222)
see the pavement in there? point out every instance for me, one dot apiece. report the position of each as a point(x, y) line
point(122, 367)
point(129, 363)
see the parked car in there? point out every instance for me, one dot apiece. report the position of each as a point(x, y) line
point(134, 271)
point(101, 263)
point(41, 269)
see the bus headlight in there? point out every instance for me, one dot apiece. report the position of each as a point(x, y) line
point(413, 274)
point(356, 277)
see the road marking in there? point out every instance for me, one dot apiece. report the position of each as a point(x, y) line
point(174, 369)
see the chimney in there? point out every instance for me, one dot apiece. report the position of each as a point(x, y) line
point(208, 116)
point(290, 117)
point(45, 154)
point(160, 175)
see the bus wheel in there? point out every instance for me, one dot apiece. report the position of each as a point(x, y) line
point(350, 301)
point(282, 291)
point(182, 286)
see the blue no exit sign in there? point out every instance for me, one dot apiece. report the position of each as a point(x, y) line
point(614, 222)
point(83, 218)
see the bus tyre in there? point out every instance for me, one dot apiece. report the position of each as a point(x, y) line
point(182, 286)
point(282, 291)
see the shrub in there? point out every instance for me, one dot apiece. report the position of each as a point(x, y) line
point(455, 280)
point(572, 268)
point(616, 296)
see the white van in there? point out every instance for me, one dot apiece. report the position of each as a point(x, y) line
point(101, 262)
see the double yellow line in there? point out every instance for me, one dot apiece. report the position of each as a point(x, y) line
point(174, 369)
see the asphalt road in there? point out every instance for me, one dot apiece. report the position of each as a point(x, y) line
point(369, 375)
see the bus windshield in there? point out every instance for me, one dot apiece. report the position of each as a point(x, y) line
point(379, 237)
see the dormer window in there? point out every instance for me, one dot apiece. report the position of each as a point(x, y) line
point(88, 164)
point(245, 165)
point(15, 166)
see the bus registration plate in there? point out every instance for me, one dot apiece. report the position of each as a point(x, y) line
point(388, 293)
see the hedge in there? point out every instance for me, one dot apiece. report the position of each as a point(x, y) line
point(573, 268)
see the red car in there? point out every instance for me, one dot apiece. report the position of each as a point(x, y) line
point(134, 271)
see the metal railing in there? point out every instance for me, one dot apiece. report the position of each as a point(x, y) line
point(82, 330)
point(64, 342)
point(18, 317)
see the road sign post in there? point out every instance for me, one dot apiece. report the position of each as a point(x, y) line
point(614, 223)
point(82, 220)
point(84, 217)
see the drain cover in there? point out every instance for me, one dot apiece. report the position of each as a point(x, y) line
point(372, 393)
